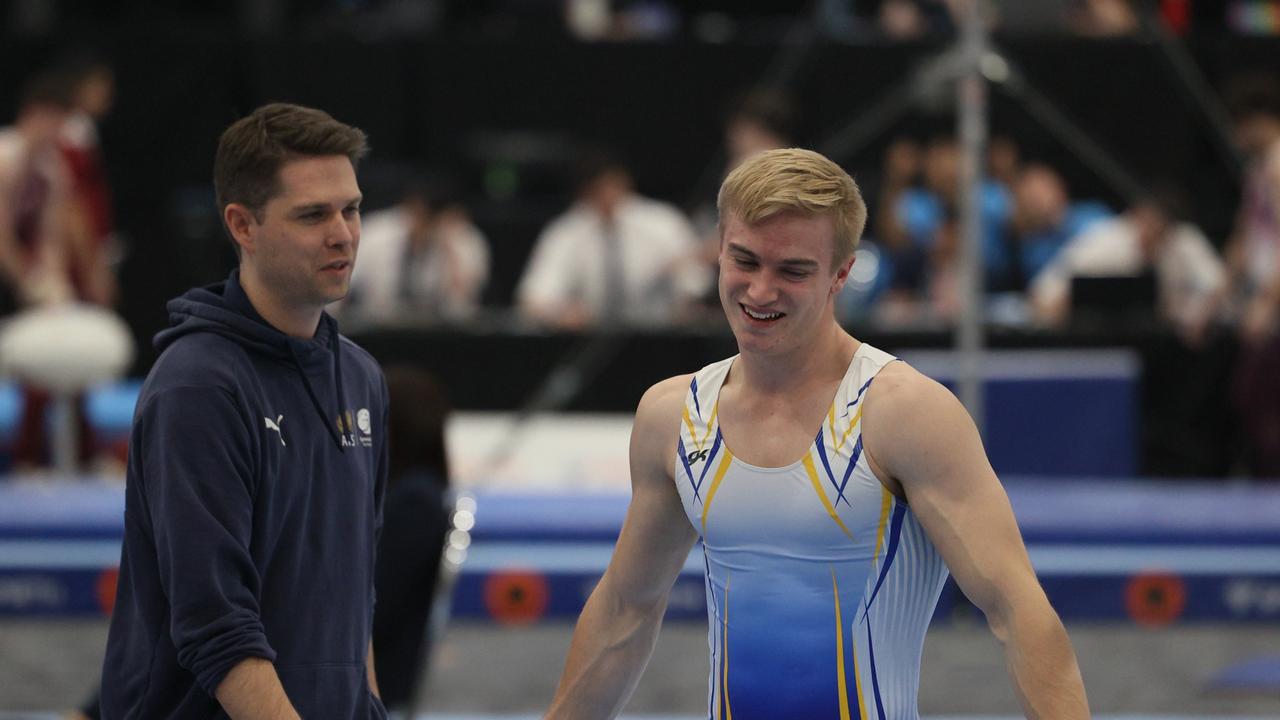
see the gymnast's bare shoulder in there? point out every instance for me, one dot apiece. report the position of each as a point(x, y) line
point(657, 428)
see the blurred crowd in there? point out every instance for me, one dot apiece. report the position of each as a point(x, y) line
point(1052, 256)
point(706, 20)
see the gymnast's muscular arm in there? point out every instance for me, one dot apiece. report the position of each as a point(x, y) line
point(619, 625)
point(923, 444)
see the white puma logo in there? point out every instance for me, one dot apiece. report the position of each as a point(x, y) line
point(275, 425)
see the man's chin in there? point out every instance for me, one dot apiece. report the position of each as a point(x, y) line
point(328, 296)
point(755, 342)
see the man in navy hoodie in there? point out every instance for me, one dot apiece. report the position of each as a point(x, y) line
point(258, 458)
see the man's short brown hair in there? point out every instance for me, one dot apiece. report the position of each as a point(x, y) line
point(246, 168)
point(798, 180)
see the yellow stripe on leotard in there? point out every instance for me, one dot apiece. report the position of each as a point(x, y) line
point(886, 504)
point(724, 683)
point(700, 442)
point(840, 681)
point(715, 485)
point(817, 487)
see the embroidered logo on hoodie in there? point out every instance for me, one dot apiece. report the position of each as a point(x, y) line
point(275, 425)
point(347, 428)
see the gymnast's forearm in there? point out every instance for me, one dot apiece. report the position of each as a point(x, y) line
point(611, 646)
point(1042, 664)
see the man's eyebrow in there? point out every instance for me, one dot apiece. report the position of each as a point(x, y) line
point(790, 262)
point(311, 207)
point(800, 262)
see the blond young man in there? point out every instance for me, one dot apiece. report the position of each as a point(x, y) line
point(832, 488)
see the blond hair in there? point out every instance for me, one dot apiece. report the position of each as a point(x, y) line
point(793, 179)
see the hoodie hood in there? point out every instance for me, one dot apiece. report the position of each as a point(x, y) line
point(224, 309)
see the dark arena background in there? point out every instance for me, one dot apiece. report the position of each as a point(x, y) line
point(1126, 157)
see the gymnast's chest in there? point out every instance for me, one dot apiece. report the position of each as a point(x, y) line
point(801, 509)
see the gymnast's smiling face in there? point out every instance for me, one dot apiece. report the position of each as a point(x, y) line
point(779, 279)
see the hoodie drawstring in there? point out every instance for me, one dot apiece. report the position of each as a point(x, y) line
point(334, 430)
point(337, 364)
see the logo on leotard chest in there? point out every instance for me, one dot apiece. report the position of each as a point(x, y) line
point(696, 456)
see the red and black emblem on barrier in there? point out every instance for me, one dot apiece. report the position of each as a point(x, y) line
point(516, 597)
point(1155, 599)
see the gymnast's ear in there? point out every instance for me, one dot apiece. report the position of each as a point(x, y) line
point(842, 274)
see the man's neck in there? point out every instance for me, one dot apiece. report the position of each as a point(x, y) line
point(827, 357)
point(299, 323)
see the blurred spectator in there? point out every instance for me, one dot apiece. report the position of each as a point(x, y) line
point(1004, 160)
point(613, 256)
point(942, 289)
point(1044, 219)
point(1149, 237)
point(34, 195)
point(91, 86)
point(901, 258)
point(1089, 18)
point(764, 120)
point(1105, 18)
point(36, 205)
point(900, 172)
point(593, 20)
point(924, 213)
point(761, 119)
point(916, 19)
point(1253, 17)
point(415, 521)
point(1253, 258)
point(422, 257)
point(1253, 251)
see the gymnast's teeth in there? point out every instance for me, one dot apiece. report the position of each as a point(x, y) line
point(762, 316)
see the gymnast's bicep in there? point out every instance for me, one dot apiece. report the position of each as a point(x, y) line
point(921, 435)
point(656, 537)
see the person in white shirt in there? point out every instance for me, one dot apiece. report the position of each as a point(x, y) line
point(614, 256)
point(1190, 277)
point(420, 258)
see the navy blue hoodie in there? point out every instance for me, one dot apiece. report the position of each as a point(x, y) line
point(257, 464)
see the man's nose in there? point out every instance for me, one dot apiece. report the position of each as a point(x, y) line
point(762, 289)
point(341, 231)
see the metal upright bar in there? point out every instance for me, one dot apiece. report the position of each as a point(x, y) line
point(971, 111)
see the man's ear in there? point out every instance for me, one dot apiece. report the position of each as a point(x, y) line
point(842, 275)
point(240, 222)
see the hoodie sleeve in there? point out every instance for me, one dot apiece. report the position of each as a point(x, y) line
point(198, 483)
